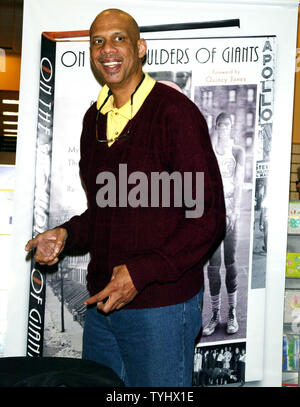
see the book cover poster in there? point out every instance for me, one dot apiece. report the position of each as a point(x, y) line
point(292, 265)
point(290, 352)
point(232, 83)
point(291, 315)
point(233, 77)
point(294, 217)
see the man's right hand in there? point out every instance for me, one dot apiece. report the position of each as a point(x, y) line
point(48, 245)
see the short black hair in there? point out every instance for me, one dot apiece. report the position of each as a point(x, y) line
point(223, 116)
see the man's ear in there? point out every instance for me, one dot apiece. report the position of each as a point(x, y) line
point(142, 47)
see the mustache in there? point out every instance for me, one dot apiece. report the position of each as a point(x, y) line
point(105, 57)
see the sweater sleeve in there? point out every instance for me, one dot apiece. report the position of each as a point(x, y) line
point(189, 150)
point(78, 228)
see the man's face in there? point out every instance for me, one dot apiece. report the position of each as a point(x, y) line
point(115, 50)
point(224, 128)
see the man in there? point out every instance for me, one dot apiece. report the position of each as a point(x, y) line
point(198, 367)
point(231, 159)
point(145, 275)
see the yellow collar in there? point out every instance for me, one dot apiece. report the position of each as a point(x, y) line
point(125, 111)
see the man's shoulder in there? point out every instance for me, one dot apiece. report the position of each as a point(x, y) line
point(237, 149)
point(238, 152)
point(169, 106)
point(91, 111)
point(92, 107)
point(169, 97)
point(169, 91)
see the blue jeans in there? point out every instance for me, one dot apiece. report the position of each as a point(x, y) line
point(146, 347)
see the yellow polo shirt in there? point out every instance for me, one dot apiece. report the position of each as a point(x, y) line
point(118, 118)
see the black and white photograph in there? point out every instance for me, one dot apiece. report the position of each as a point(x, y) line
point(220, 365)
point(180, 80)
point(260, 228)
point(64, 311)
point(230, 113)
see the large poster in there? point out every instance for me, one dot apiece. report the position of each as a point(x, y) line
point(233, 80)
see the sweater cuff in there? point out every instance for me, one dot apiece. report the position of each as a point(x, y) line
point(68, 242)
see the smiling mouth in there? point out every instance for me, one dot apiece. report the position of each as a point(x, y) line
point(111, 64)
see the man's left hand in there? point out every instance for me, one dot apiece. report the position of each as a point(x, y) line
point(118, 292)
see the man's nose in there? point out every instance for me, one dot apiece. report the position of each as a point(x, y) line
point(108, 47)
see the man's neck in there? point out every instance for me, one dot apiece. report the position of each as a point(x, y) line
point(123, 93)
point(223, 146)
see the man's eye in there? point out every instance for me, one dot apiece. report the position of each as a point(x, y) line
point(98, 42)
point(119, 38)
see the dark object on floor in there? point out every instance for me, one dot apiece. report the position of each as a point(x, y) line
point(55, 372)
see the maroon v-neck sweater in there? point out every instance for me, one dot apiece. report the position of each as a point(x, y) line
point(162, 248)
